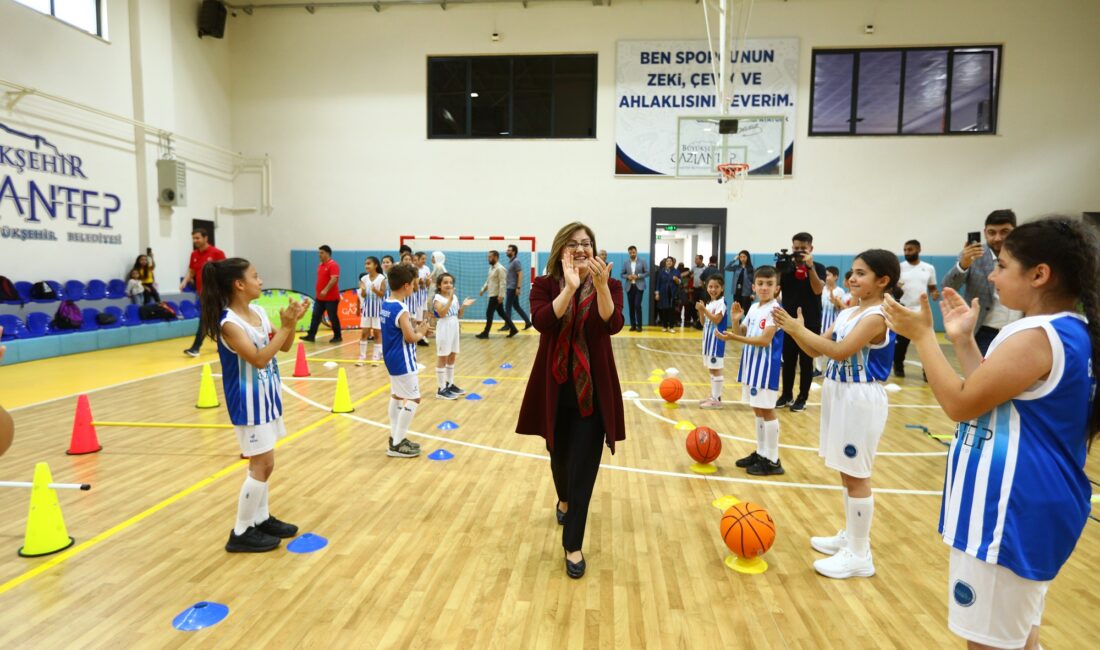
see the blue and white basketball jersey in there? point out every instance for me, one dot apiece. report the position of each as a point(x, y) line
point(760, 365)
point(425, 275)
point(869, 363)
point(253, 395)
point(1015, 491)
point(714, 347)
point(441, 300)
point(400, 357)
point(828, 309)
point(372, 304)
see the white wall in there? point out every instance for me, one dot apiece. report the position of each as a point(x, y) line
point(167, 77)
point(338, 98)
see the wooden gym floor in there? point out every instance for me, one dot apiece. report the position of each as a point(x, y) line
point(465, 553)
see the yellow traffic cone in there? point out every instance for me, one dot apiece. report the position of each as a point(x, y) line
point(46, 531)
point(342, 403)
point(208, 397)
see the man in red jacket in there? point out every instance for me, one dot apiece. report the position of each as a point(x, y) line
point(328, 296)
point(203, 252)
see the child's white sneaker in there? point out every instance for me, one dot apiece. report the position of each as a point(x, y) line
point(846, 564)
point(830, 545)
point(710, 403)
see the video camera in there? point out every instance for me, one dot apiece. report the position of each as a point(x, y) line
point(785, 261)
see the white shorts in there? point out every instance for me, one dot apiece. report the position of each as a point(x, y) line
point(759, 398)
point(260, 438)
point(370, 323)
point(989, 604)
point(714, 363)
point(852, 419)
point(446, 337)
point(406, 386)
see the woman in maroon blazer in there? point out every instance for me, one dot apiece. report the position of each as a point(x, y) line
point(573, 399)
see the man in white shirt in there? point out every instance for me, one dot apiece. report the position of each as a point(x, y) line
point(976, 262)
point(496, 284)
point(917, 277)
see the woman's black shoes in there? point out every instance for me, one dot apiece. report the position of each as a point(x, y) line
point(561, 515)
point(575, 570)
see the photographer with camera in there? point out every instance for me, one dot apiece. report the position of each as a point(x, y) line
point(800, 284)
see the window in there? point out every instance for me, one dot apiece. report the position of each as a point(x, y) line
point(512, 96)
point(905, 91)
point(82, 14)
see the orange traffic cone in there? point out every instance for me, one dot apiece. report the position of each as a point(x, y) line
point(84, 439)
point(301, 368)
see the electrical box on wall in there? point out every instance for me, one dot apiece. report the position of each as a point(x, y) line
point(172, 183)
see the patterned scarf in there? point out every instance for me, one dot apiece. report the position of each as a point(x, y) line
point(571, 339)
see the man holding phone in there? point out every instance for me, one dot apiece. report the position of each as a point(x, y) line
point(976, 262)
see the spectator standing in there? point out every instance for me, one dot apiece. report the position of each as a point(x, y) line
point(328, 296)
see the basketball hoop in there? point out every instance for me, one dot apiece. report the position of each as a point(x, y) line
point(733, 175)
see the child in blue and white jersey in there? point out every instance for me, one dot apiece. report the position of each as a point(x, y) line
point(715, 319)
point(247, 345)
point(1016, 498)
point(371, 291)
point(399, 340)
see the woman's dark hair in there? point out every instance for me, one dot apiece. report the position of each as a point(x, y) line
point(137, 264)
point(884, 264)
point(217, 290)
point(748, 256)
point(1071, 250)
point(377, 264)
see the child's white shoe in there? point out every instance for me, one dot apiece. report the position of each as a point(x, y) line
point(846, 564)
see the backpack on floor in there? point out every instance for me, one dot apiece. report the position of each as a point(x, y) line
point(43, 291)
point(68, 316)
point(8, 291)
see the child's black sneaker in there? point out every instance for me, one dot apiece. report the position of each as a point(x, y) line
point(445, 393)
point(749, 461)
point(456, 390)
point(273, 526)
point(404, 449)
point(765, 467)
point(251, 540)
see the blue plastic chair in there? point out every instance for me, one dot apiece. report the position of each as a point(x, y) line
point(189, 309)
point(38, 324)
point(121, 318)
point(116, 289)
point(90, 324)
point(74, 290)
point(96, 290)
point(24, 289)
point(13, 327)
point(133, 315)
point(174, 306)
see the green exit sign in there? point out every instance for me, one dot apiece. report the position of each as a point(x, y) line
point(670, 228)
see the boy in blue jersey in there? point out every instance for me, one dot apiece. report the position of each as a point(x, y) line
point(716, 320)
point(247, 345)
point(399, 340)
point(759, 373)
point(1016, 497)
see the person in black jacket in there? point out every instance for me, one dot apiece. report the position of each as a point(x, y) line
point(800, 285)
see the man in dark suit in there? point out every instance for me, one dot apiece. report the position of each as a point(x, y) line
point(634, 274)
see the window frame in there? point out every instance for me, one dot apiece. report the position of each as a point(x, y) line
point(52, 13)
point(994, 95)
point(469, 59)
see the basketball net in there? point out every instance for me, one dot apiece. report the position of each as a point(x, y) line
point(733, 19)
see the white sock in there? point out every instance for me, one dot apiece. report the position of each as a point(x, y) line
point(450, 374)
point(395, 412)
point(860, 513)
point(247, 503)
point(262, 512)
point(377, 352)
point(716, 387)
point(362, 348)
point(404, 419)
point(441, 376)
point(760, 436)
point(771, 440)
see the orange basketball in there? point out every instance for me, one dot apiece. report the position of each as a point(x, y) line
point(671, 389)
point(748, 530)
point(704, 445)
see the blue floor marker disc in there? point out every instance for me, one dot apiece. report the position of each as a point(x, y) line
point(307, 543)
point(441, 454)
point(446, 425)
point(473, 396)
point(200, 615)
point(490, 382)
point(506, 366)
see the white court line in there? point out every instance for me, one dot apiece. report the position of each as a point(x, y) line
point(159, 374)
point(676, 354)
point(797, 447)
point(617, 468)
point(744, 403)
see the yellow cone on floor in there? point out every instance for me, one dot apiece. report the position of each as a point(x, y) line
point(342, 403)
point(684, 425)
point(208, 397)
point(46, 532)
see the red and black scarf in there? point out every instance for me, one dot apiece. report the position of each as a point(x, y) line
point(571, 340)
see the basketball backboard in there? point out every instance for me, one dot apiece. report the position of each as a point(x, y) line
point(754, 140)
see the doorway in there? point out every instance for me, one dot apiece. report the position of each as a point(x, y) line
point(206, 225)
point(683, 233)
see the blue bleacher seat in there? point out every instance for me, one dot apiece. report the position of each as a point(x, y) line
point(38, 324)
point(96, 290)
point(133, 315)
point(24, 289)
point(174, 306)
point(74, 290)
point(13, 327)
point(116, 289)
point(189, 309)
point(57, 288)
point(118, 314)
point(89, 324)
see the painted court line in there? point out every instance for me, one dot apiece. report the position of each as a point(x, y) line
point(118, 528)
point(617, 468)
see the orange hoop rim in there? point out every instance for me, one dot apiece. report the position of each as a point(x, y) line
point(730, 170)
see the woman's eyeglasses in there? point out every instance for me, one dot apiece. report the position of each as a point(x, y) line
point(577, 245)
